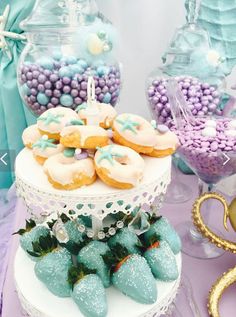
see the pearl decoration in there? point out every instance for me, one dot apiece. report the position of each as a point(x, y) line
point(101, 235)
point(112, 231)
point(90, 234)
point(120, 224)
point(81, 228)
point(78, 151)
point(45, 137)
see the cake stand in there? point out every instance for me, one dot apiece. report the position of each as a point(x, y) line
point(97, 201)
point(37, 301)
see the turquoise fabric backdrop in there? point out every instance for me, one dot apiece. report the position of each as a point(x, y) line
point(14, 116)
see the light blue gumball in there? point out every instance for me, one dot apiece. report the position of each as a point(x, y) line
point(42, 99)
point(107, 98)
point(98, 63)
point(46, 62)
point(71, 59)
point(102, 70)
point(66, 100)
point(57, 55)
point(82, 63)
point(25, 89)
point(76, 69)
point(65, 72)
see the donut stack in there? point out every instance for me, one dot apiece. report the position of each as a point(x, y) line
point(73, 152)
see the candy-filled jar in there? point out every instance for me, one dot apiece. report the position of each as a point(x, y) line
point(198, 69)
point(68, 41)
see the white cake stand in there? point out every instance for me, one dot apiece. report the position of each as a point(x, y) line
point(37, 301)
point(97, 200)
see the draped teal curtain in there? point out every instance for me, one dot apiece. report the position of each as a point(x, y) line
point(14, 116)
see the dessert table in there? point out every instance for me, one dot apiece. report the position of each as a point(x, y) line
point(201, 273)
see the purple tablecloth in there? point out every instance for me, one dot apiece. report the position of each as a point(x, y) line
point(202, 273)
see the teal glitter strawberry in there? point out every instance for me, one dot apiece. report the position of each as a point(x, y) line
point(127, 239)
point(161, 259)
point(53, 265)
point(92, 257)
point(67, 233)
point(133, 277)
point(87, 291)
point(31, 234)
point(160, 226)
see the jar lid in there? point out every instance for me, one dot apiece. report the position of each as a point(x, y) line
point(57, 14)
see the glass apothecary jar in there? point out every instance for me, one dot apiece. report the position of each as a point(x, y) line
point(67, 41)
point(198, 69)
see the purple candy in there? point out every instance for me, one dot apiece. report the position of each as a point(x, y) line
point(47, 81)
point(81, 156)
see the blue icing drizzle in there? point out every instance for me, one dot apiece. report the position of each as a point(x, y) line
point(128, 124)
point(50, 118)
point(81, 107)
point(107, 154)
point(44, 143)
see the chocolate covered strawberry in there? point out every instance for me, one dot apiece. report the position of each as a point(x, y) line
point(160, 226)
point(127, 239)
point(161, 259)
point(133, 277)
point(92, 257)
point(87, 291)
point(53, 265)
point(30, 234)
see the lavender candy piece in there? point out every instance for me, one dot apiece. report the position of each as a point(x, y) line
point(81, 156)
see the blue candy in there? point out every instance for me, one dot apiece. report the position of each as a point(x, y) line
point(102, 70)
point(65, 71)
point(76, 69)
point(107, 98)
point(66, 100)
point(46, 62)
point(42, 99)
point(57, 55)
point(26, 91)
point(82, 63)
point(71, 59)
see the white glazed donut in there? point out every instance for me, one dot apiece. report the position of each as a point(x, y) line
point(106, 114)
point(45, 147)
point(52, 121)
point(84, 136)
point(135, 132)
point(119, 166)
point(31, 135)
point(66, 172)
point(166, 142)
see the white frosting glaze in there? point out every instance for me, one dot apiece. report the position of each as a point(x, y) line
point(105, 112)
point(63, 169)
point(166, 140)
point(145, 135)
point(31, 135)
point(53, 127)
point(85, 131)
point(49, 151)
point(132, 173)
